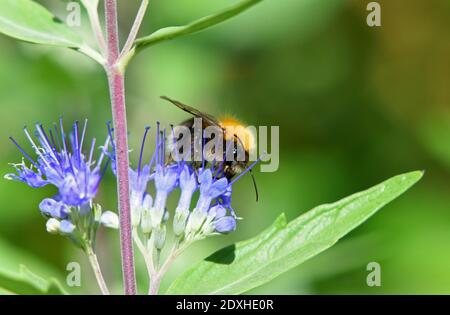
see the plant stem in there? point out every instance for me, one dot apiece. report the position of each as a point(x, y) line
point(147, 258)
point(117, 92)
point(155, 279)
point(135, 28)
point(97, 271)
point(155, 282)
point(92, 10)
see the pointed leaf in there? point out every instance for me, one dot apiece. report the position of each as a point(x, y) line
point(194, 27)
point(27, 282)
point(246, 265)
point(29, 21)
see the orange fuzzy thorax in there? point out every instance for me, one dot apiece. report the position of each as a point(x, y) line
point(234, 127)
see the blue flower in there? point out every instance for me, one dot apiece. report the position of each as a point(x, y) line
point(210, 188)
point(221, 222)
point(225, 224)
point(53, 208)
point(66, 227)
point(212, 212)
point(188, 185)
point(27, 175)
point(60, 162)
point(165, 178)
point(225, 200)
point(138, 196)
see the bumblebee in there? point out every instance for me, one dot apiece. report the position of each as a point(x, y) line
point(242, 141)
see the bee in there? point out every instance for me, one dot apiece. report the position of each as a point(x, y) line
point(241, 138)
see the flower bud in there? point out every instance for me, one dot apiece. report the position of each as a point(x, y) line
point(226, 225)
point(195, 221)
point(136, 208)
point(110, 220)
point(97, 210)
point(165, 216)
point(157, 216)
point(146, 221)
point(209, 225)
point(160, 236)
point(84, 209)
point(179, 221)
point(217, 211)
point(52, 226)
point(66, 227)
point(53, 208)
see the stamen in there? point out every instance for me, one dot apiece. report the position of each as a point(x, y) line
point(63, 138)
point(157, 143)
point(38, 152)
point(91, 152)
point(163, 151)
point(102, 173)
point(83, 134)
point(86, 167)
point(142, 149)
point(154, 156)
point(203, 147)
point(46, 143)
point(219, 169)
point(245, 172)
point(23, 151)
point(110, 133)
point(175, 149)
point(52, 139)
point(75, 144)
point(159, 160)
point(156, 152)
point(40, 134)
point(58, 142)
point(104, 148)
point(66, 152)
point(213, 165)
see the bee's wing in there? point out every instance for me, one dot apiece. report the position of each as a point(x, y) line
point(210, 120)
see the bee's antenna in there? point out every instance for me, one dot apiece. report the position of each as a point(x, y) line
point(254, 185)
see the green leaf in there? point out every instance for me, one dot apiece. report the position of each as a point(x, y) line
point(26, 282)
point(12, 256)
point(31, 22)
point(246, 265)
point(193, 27)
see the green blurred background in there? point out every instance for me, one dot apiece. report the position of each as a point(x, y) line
point(355, 105)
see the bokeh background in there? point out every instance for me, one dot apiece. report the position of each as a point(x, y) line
point(355, 105)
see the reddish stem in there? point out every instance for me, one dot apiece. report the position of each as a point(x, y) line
point(117, 91)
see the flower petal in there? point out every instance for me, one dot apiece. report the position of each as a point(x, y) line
point(110, 219)
point(53, 208)
point(66, 227)
point(226, 225)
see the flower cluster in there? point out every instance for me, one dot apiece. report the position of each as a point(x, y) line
point(60, 162)
point(203, 209)
point(210, 214)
